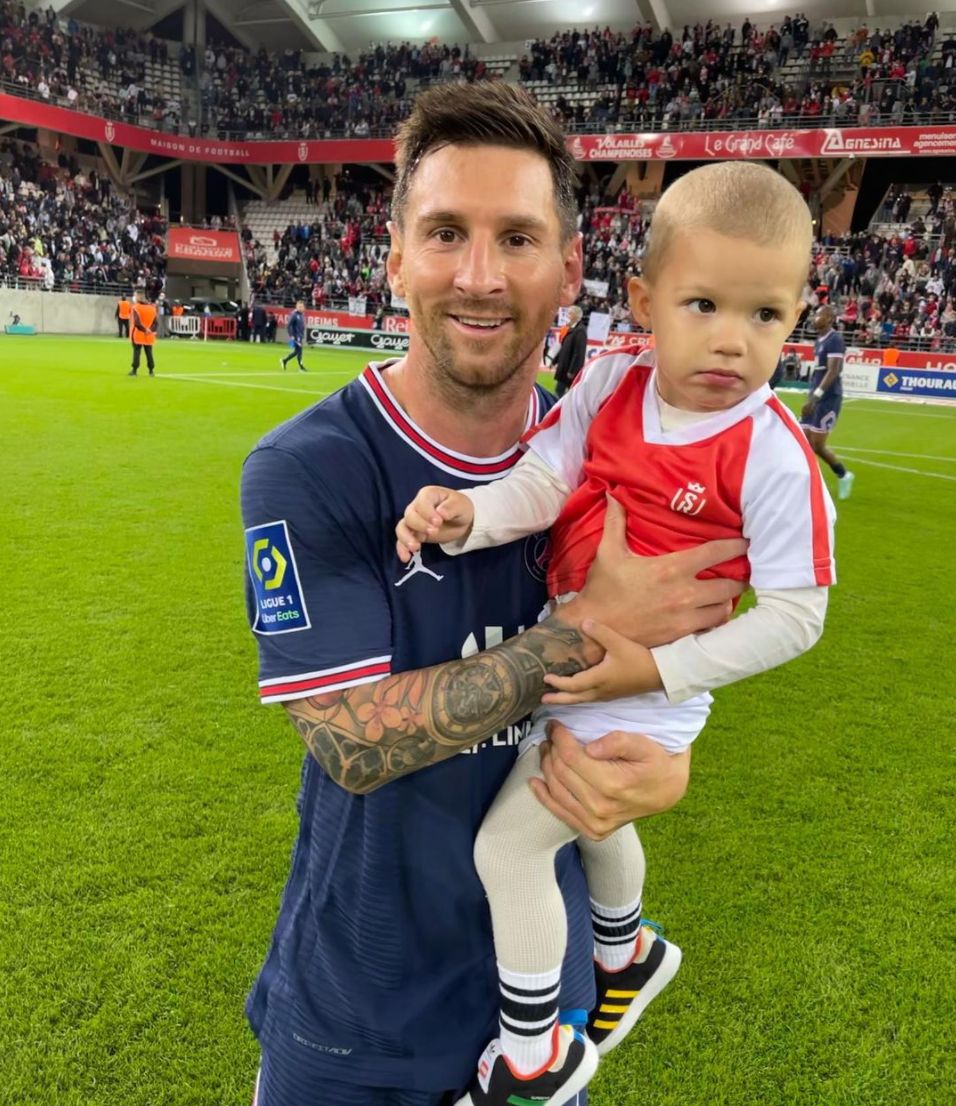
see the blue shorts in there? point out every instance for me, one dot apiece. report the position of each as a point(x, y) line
point(825, 415)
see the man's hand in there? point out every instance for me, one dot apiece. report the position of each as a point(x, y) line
point(597, 788)
point(434, 515)
point(808, 408)
point(627, 669)
point(654, 600)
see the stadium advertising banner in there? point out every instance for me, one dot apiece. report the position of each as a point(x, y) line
point(322, 318)
point(196, 244)
point(826, 142)
point(699, 146)
point(921, 383)
point(377, 340)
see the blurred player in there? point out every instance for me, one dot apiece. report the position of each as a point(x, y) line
point(822, 409)
point(296, 330)
point(145, 322)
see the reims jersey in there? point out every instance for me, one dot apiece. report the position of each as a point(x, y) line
point(747, 471)
point(381, 969)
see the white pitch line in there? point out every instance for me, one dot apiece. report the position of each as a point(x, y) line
point(913, 414)
point(900, 468)
point(889, 453)
point(239, 384)
point(273, 373)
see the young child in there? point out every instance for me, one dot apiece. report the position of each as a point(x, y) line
point(692, 442)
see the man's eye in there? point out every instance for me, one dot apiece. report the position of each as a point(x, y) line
point(702, 307)
point(518, 240)
point(446, 235)
point(768, 315)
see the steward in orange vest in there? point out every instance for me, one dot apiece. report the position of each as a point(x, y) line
point(145, 324)
point(123, 310)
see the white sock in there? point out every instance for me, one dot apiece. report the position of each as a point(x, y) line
point(616, 933)
point(529, 1014)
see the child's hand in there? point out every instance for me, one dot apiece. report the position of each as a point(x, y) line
point(434, 515)
point(627, 669)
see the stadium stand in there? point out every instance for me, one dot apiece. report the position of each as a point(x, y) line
point(64, 229)
point(706, 77)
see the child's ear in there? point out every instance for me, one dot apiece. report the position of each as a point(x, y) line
point(639, 297)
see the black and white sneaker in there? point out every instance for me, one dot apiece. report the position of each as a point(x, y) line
point(495, 1084)
point(623, 996)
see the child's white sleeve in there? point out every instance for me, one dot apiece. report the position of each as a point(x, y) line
point(783, 624)
point(524, 502)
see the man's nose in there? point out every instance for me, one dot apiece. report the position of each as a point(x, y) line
point(480, 271)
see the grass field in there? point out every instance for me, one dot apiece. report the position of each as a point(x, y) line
point(148, 801)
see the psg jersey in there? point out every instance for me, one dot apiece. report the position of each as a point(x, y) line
point(381, 968)
point(828, 345)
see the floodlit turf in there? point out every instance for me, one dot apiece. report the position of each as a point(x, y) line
point(148, 801)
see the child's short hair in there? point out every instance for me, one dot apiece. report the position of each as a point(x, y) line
point(738, 198)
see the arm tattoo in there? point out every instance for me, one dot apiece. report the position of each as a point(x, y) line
point(367, 735)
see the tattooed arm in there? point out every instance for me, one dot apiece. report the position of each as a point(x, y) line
point(367, 735)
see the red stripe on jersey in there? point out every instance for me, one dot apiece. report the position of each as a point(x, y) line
point(317, 683)
point(476, 468)
point(822, 552)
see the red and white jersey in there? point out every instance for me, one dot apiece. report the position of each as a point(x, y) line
point(744, 472)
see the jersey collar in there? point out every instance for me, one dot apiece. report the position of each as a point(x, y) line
point(698, 431)
point(459, 464)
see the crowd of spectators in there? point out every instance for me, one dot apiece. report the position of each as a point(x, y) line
point(261, 94)
point(338, 255)
point(97, 70)
point(63, 228)
point(708, 76)
point(705, 75)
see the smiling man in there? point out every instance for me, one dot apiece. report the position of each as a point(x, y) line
point(380, 988)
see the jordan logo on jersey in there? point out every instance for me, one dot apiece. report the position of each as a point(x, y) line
point(690, 501)
point(414, 567)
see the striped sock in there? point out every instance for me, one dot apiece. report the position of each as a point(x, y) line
point(529, 1014)
point(616, 932)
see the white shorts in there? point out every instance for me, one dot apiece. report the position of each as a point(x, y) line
point(672, 725)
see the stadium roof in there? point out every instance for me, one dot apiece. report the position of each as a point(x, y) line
point(351, 25)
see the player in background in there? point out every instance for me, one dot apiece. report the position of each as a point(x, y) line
point(296, 331)
point(822, 409)
point(145, 322)
point(689, 437)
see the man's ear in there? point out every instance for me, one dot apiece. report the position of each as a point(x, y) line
point(639, 297)
point(393, 263)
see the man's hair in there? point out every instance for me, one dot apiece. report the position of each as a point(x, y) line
point(738, 198)
point(484, 114)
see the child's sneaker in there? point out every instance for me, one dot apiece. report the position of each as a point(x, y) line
point(495, 1084)
point(624, 995)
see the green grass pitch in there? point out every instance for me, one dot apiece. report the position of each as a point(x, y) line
point(148, 800)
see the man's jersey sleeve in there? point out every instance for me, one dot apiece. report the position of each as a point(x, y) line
point(788, 515)
point(560, 439)
point(314, 592)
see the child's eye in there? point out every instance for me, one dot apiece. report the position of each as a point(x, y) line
point(767, 315)
point(702, 307)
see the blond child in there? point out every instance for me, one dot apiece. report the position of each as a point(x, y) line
point(694, 445)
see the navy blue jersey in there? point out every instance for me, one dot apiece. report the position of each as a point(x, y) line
point(829, 345)
point(381, 969)
point(295, 327)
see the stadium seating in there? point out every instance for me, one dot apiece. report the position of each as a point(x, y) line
point(63, 229)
